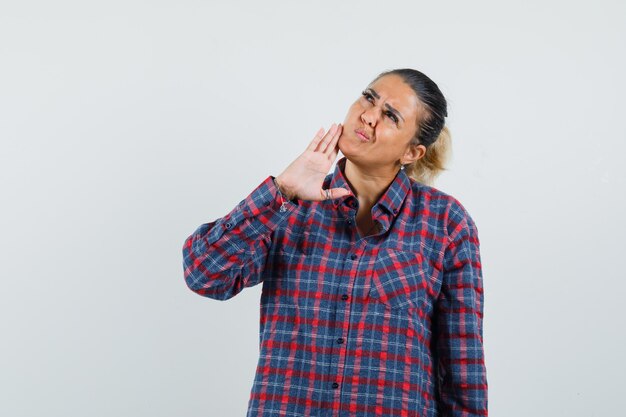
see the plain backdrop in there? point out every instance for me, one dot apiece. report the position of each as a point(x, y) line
point(124, 125)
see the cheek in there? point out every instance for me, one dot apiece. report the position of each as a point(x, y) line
point(386, 133)
point(344, 144)
point(354, 111)
point(391, 140)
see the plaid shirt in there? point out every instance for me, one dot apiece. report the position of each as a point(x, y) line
point(386, 325)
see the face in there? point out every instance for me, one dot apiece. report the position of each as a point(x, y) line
point(381, 123)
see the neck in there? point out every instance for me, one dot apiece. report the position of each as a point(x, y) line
point(367, 183)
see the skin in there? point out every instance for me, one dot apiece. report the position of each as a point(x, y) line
point(372, 164)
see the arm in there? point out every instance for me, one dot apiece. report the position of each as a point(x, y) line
point(224, 256)
point(459, 310)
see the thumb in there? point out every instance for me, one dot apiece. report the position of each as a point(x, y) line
point(339, 192)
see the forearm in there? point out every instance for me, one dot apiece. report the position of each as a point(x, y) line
point(222, 257)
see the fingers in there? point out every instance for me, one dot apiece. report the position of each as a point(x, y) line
point(325, 143)
point(318, 137)
point(331, 193)
point(321, 146)
point(326, 194)
point(332, 135)
point(333, 154)
point(340, 192)
point(332, 141)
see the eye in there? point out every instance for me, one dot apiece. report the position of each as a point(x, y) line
point(368, 96)
point(391, 116)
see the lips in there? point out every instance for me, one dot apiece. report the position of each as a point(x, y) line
point(362, 135)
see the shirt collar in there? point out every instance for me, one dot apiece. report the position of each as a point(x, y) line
point(391, 200)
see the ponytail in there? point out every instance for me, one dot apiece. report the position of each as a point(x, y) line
point(427, 168)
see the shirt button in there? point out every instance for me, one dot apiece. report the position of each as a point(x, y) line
point(335, 385)
point(344, 297)
point(349, 221)
point(353, 256)
point(267, 203)
point(228, 225)
point(340, 340)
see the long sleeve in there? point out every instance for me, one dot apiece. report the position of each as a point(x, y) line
point(459, 315)
point(222, 257)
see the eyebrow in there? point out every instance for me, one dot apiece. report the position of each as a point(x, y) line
point(391, 109)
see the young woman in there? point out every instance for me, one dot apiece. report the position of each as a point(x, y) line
point(372, 295)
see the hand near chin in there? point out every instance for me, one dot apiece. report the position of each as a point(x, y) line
point(303, 178)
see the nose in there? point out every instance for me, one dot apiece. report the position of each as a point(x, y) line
point(370, 116)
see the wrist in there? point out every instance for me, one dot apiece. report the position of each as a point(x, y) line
point(284, 190)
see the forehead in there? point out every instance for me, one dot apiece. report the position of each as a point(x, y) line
point(393, 90)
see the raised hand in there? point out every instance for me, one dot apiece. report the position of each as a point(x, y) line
point(303, 178)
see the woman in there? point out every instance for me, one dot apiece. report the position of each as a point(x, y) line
point(372, 293)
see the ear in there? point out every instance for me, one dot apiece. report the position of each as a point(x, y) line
point(412, 154)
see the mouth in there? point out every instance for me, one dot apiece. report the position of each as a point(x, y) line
point(361, 135)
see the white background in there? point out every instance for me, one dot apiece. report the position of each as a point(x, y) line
point(124, 125)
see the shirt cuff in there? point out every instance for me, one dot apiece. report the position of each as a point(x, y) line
point(266, 208)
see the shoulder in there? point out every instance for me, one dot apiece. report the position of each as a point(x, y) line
point(450, 212)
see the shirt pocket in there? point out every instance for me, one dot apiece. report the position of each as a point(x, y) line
point(399, 279)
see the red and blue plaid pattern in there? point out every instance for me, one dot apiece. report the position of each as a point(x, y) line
point(386, 325)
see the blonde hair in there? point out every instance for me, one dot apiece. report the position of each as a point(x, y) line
point(428, 167)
